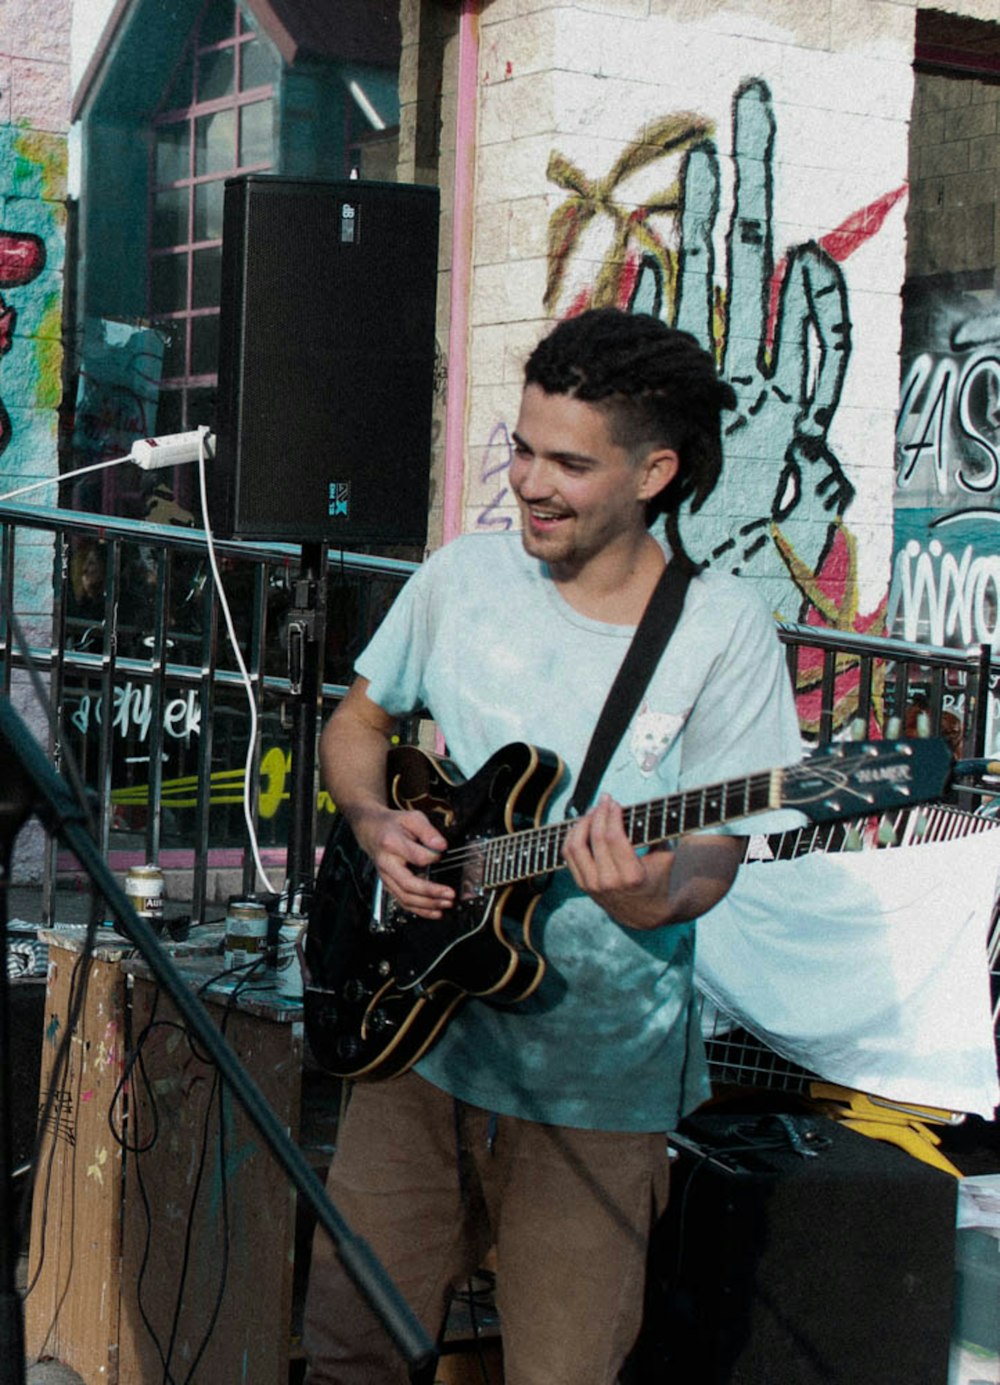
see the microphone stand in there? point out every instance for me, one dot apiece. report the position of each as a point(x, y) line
point(15, 809)
point(39, 789)
point(306, 634)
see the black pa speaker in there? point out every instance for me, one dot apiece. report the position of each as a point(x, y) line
point(326, 361)
point(796, 1251)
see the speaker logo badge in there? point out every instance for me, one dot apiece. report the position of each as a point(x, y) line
point(339, 500)
point(348, 224)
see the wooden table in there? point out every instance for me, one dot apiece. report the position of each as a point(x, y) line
point(178, 1252)
point(74, 1275)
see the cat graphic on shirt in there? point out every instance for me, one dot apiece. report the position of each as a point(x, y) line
point(652, 735)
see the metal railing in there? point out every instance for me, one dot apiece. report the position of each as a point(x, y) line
point(143, 692)
point(843, 678)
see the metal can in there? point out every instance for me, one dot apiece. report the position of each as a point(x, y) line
point(246, 933)
point(144, 887)
point(287, 967)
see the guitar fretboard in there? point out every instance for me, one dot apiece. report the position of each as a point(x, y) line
point(538, 850)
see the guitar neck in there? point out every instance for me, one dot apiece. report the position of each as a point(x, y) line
point(538, 850)
point(665, 818)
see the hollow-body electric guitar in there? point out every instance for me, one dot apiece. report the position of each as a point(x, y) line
point(383, 983)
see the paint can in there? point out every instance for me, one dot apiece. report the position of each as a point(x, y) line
point(144, 886)
point(287, 966)
point(246, 933)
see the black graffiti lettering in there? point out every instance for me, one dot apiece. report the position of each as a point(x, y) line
point(949, 418)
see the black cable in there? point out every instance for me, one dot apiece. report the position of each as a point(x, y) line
point(135, 1062)
point(701, 1162)
point(250, 969)
point(219, 1089)
point(189, 1231)
point(215, 1095)
point(475, 1299)
point(79, 980)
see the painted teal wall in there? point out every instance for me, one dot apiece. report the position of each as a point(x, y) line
point(35, 108)
point(34, 118)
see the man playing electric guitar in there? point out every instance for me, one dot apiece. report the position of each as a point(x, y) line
point(539, 1127)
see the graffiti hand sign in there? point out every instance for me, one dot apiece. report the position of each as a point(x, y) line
point(784, 334)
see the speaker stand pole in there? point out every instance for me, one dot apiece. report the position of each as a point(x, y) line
point(22, 762)
point(15, 809)
point(306, 642)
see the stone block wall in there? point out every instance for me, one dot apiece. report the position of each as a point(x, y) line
point(946, 578)
point(955, 218)
point(757, 153)
point(34, 119)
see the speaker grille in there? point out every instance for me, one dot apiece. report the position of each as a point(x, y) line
point(774, 1268)
point(327, 361)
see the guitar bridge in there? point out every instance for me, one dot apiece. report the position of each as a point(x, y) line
point(383, 910)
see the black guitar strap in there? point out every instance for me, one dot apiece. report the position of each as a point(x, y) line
point(651, 637)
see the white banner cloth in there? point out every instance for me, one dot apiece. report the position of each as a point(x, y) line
point(868, 968)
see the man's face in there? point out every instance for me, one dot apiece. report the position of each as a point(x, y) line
point(579, 492)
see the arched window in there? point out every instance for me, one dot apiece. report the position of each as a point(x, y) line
point(178, 99)
point(215, 120)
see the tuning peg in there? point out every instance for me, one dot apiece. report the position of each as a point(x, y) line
point(886, 833)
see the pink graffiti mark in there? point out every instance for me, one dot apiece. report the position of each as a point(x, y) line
point(8, 318)
point(22, 258)
point(86, 1096)
point(832, 594)
point(628, 278)
point(840, 243)
point(580, 304)
point(851, 234)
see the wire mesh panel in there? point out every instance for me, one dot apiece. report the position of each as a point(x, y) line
point(737, 1057)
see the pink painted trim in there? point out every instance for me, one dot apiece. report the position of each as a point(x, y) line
point(461, 267)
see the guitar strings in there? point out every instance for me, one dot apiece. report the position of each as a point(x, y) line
point(516, 844)
point(488, 849)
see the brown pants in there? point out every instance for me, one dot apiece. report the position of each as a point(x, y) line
point(431, 1183)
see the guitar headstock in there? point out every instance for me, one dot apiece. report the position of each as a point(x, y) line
point(854, 778)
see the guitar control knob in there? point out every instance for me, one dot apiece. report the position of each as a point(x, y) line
point(354, 989)
point(379, 1021)
point(348, 1048)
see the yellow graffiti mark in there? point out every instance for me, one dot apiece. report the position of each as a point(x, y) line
point(842, 614)
point(48, 154)
point(49, 354)
point(96, 1169)
point(225, 787)
point(592, 197)
point(273, 770)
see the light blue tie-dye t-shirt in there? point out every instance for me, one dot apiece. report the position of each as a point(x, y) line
point(482, 639)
